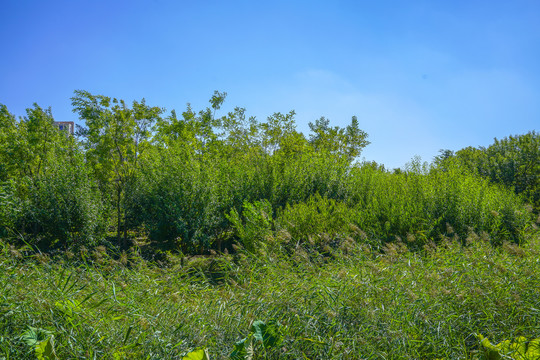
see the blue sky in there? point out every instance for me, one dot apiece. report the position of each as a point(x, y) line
point(420, 75)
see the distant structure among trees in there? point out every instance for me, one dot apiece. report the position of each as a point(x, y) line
point(68, 126)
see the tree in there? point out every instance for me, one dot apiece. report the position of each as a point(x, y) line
point(444, 155)
point(63, 207)
point(276, 129)
point(47, 193)
point(115, 137)
point(347, 141)
point(513, 161)
point(28, 146)
point(195, 130)
point(8, 133)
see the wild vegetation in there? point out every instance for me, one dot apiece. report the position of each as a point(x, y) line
point(150, 235)
point(199, 182)
point(367, 304)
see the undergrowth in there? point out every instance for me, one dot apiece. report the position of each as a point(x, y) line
point(366, 304)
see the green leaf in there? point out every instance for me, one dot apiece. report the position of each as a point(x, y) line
point(34, 336)
point(68, 307)
point(270, 334)
point(519, 349)
point(45, 349)
point(243, 350)
point(197, 354)
point(533, 351)
point(258, 328)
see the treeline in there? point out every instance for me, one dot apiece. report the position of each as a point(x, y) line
point(513, 161)
point(195, 182)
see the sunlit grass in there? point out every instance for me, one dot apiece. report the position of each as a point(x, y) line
point(396, 304)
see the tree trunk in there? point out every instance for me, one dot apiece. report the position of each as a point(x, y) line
point(125, 231)
point(119, 216)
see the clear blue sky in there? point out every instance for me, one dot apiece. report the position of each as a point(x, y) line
point(420, 75)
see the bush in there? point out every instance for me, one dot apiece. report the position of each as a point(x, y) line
point(63, 208)
point(174, 199)
point(254, 227)
point(513, 161)
point(425, 204)
point(318, 222)
point(10, 209)
point(297, 179)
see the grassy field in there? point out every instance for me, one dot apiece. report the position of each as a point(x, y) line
point(365, 304)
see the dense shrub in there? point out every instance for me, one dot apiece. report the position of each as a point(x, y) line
point(425, 204)
point(63, 208)
point(10, 209)
point(310, 173)
point(254, 226)
point(513, 161)
point(174, 199)
point(318, 223)
point(191, 201)
point(196, 182)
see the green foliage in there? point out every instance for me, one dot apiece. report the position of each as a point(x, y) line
point(174, 198)
point(347, 142)
point(270, 334)
point(33, 336)
point(519, 349)
point(513, 161)
point(29, 146)
point(276, 131)
point(11, 206)
point(423, 205)
point(196, 182)
point(189, 191)
point(254, 226)
point(115, 137)
point(47, 196)
point(198, 354)
point(309, 173)
point(45, 350)
point(367, 304)
point(8, 132)
point(63, 208)
point(41, 341)
point(243, 350)
point(68, 308)
point(264, 335)
point(318, 223)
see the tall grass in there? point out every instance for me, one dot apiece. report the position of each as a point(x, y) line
point(394, 305)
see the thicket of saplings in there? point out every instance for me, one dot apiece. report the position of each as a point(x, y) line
point(337, 257)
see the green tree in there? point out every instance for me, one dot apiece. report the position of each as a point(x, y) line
point(196, 130)
point(239, 132)
point(513, 161)
point(28, 146)
point(348, 141)
point(276, 129)
point(115, 137)
point(46, 195)
point(8, 133)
